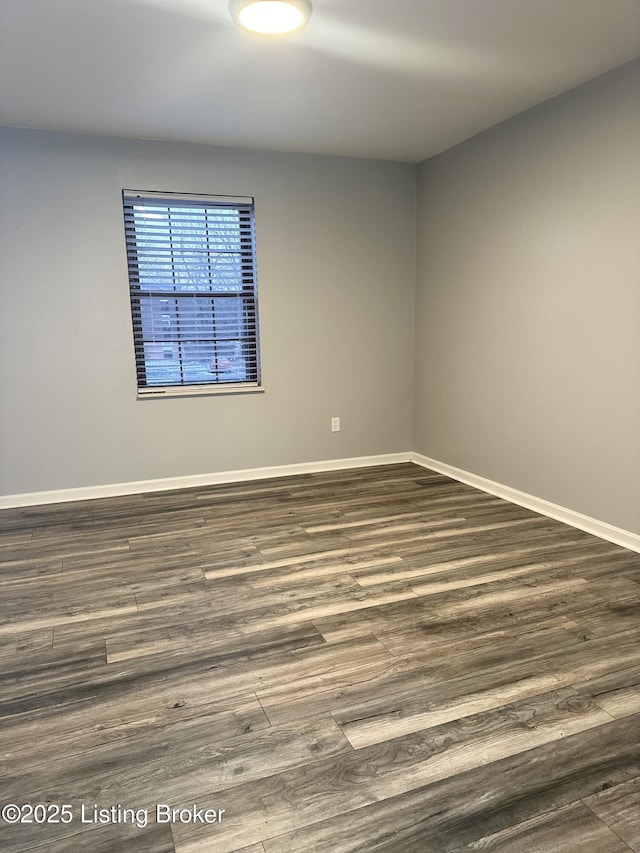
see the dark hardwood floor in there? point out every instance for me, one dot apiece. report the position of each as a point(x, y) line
point(380, 659)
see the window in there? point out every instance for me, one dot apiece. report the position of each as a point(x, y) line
point(192, 284)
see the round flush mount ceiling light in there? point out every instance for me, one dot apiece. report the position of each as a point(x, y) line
point(270, 16)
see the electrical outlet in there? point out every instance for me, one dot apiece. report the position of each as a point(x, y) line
point(335, 424)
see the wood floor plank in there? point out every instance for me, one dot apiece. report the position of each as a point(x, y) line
point(67, 616)
point(617, 692)
point(571, 828)
point(27, 641)
point(376, 659)
point(414, 640)
point(447, 815)
point(321, 570)
point(37, 737)
point(445, 673)
point(287, 562)
point(619, 808)
point(373, 722)
point(504, 663)
point(149, 641)
point(113, 838)
point(336, 791)
point(447, 692)
point(176, 764)
point(186, 674)
point(501, 569)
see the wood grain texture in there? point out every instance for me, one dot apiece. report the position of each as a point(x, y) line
point(111, 839)
point(379, 659)
point(569, 828)
point(619, 808)
point(464, 808)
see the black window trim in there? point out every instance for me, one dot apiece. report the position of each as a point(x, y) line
point(249, 296)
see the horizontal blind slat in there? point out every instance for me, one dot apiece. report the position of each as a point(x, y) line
point(191, 266)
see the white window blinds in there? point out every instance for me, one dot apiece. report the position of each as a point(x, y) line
point(192, 283)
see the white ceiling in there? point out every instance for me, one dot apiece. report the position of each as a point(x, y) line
point(392, 79)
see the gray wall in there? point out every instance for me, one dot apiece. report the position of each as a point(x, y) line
point(336, 269)
point(528, 302)
point(527, 310)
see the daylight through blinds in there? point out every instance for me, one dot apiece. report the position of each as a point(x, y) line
point(193, 289)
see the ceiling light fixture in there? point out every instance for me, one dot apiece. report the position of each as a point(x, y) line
point(270, 16)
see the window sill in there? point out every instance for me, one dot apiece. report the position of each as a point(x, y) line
point(197, 391)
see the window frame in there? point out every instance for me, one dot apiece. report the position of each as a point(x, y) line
point(246, 297)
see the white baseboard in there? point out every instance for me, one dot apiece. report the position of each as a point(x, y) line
point(575, 519)
point(110, 490)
